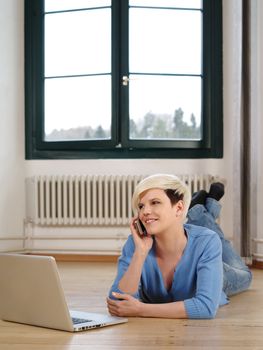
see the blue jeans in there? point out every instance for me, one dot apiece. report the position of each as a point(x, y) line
point(237, 276)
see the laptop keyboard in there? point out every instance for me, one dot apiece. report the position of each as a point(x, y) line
point(76, 320)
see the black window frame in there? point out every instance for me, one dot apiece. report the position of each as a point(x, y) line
point(211, 146)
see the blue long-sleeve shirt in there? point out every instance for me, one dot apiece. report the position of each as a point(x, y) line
point(197, 280)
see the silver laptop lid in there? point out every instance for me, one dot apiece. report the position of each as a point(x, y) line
point(31, 292)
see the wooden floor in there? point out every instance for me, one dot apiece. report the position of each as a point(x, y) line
point(238, 325)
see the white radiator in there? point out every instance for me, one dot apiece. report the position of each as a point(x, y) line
point(98, 200)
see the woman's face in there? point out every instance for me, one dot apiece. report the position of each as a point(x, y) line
point(157, 213)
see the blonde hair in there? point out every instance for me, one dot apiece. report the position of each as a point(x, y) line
point(163, 182)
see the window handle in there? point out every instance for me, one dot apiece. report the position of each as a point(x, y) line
point(125, 80)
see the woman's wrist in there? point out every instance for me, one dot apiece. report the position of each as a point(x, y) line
point(142, 310)
point(140, 253)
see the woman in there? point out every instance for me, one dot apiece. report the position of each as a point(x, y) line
point(176, 270)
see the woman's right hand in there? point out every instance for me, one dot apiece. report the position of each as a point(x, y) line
point(143, 243)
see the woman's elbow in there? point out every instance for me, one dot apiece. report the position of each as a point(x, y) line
point(203, 310)
point(209, 310)
point(211, 314)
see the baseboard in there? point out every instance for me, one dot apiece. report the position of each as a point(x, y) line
point(256, 264)
point(64, 257)
point(74, 257)
point(79, 257)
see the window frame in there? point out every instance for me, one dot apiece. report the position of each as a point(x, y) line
point(210, 147)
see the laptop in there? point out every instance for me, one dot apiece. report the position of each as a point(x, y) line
point(31, 292)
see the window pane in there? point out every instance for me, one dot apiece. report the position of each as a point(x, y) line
point(195, 4)
point(165, 107)
point(58, 5)
point(78, 42)
point(165, 41)
point(73, 108)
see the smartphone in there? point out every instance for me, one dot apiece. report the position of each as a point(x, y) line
point(140, 228)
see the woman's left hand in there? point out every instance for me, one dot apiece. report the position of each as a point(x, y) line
point(126, 306)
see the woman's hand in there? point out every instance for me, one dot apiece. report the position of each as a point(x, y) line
point(126, 306)
point(143, 243)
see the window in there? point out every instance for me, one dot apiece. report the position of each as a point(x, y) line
point(123, 79)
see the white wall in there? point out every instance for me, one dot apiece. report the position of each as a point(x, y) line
point(14, 168)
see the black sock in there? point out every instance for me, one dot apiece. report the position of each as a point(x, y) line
point(217, 190)
point(198, 198)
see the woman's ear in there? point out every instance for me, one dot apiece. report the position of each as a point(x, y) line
point(179, 207)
